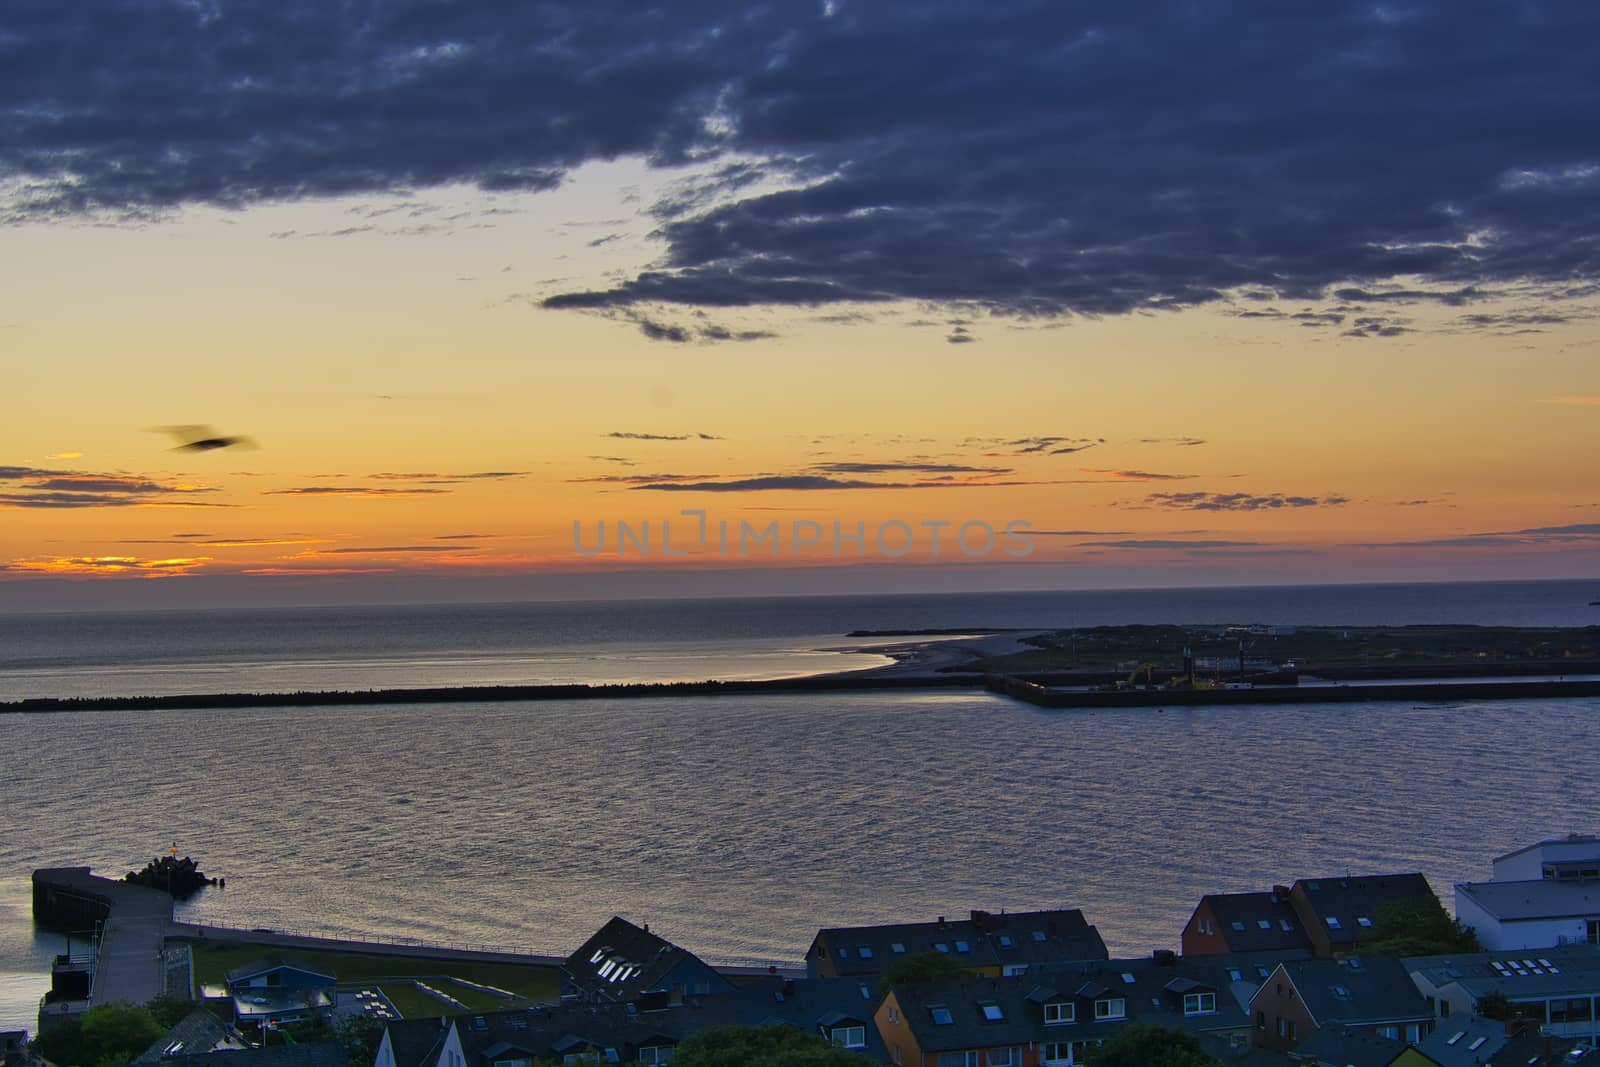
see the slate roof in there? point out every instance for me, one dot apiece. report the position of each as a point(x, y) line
point(415, 1042)
point(553, 1031)
point(1542, 899)
point(1351, 899)
point(329, 1054)
point(1155, 995)
point(271, 963)
point(1365, 991)
point(1456, 1043)
point(1257, 922)
point(622, 961)
point(199, 1031)
point(984, 939)
point(1521, 974)
point(1340, 1046)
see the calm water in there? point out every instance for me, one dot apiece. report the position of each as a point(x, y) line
point(738, 826)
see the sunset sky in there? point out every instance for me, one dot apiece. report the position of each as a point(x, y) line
point(1190, 293)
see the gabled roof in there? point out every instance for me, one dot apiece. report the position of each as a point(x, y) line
point(1347, 1047)
point(195, 1033)
point(1146, 990)
point(415, 1042)
point(327, 1054)
point(273, 963)
point(622, 960)
point(1464, 1041)
point(1340, 904)
point(1364, 991)
point(1521, 974)
point(1540, 899)
point(1256, 922)
point(984, 939)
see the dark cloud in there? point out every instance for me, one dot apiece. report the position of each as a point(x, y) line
point(638, 479)
point(464, 537)
point(389, 550)
point(620, 460)
point(79, 489)
point(624, 436)
point(922, 468)
point(1201, 501)
point(1186, 442)
point(813, 481)
point(1078, 533)
point(1026, 157)
point(1140, 476)
point(709, 332)
point(1053, 446)
point(353, 490)
point(11, 474)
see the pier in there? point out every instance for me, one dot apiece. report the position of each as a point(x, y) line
point(129, 925)
point(1046, 696)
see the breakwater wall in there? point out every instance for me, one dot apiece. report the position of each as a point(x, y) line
point(458, 694)
point(1426, 692)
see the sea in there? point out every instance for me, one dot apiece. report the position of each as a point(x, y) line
point(738, 825)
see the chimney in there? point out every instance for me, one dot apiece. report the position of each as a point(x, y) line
point(941, 920)
point(1164, 957)
point(981, 921)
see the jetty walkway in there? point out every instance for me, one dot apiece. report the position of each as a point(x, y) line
point(131, 923)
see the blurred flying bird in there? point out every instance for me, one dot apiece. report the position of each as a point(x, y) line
point(203, 439)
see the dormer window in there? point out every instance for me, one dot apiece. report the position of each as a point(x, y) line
point(1111, 1008)
point(1059, 1012)
point(1199, 1003)
point(848, 1036)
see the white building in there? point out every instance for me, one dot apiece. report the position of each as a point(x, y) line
point(1541, 896)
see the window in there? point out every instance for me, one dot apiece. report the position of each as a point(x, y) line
point(656, 1054)
point(942, 947)
point(844, 953)
point(1333, 922)
point(958, 1059)
point(1060, 1011)
point(962, 946)
point(1287, 1029)
point(1592, 931)
point(1261, 1020)
point(1059, 1053)
point(1235, 975)
point(1413, 1033)
point(1110, 1008)
point(1038, 935)
point(992, 1012)
point(1265, 924)
point(865, 952)
point(1013, 969)
point(1362, 920)
point(1286, 925)
point(1127, 978)
point(1391, 1032)
point(1199, 1003)
point(849, 1036)
point(941, 1014)
point(523, 1061)
point(1238, 926)
point(898, 948)
point(1004, 1057)
point(1261, 970)
point(1005, 940)
point(894, 1014)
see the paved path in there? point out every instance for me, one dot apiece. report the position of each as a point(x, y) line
point(129, 965)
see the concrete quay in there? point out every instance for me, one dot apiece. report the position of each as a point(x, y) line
point(132, 924)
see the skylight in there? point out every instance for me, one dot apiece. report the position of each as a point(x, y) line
point(1234, 975)
point(1265, 924)
point(1127, 976)
point(1038, 935)
point(962, 946)
point(865, 952)
point(1005, 940)
point(898, 947)
point(1333, 922)
point(1363, 920)
point(941, 946)
point(941, 1014)
point(1456, 1037)
point(992, 1012)
point(1477, 1043)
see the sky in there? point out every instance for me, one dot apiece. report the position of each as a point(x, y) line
point(402, 300)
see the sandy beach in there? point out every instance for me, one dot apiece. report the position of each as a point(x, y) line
point(927, 656)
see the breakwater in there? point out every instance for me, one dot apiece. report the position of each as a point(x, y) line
point(468, 693)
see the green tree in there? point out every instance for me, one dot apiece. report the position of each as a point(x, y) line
point(1417, 927)
point(921, 967)
point(1144, 1045)
point(765, 1046)
point(169, 1011)
point(113, 1034)
point(360, 1035)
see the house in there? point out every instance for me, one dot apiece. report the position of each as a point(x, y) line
point(1336, 1045)
point(1533, 914)
point(1336, 912)
point(1053, 1015)
point(321, 1054)
point(1471, 1042)
point(990, 944)
point(623, 962)
point(1365, 993)
point(1561, 859)
point(1246, 923)
point(198, 1032)
point(276, 989)
point(647, 1030)
point(1557, 988)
